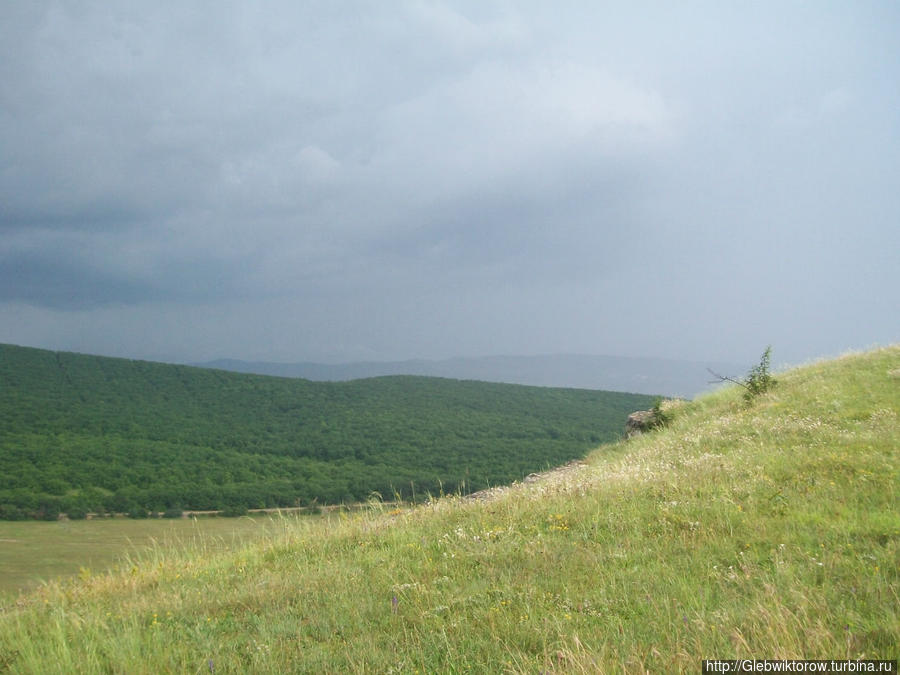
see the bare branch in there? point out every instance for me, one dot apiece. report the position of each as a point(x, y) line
point(758, 380)
point(725, 378)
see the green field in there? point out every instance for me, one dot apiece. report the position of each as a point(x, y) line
point(761, 530)
point(35, 552)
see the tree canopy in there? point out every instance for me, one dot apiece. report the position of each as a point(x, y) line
point(86, 433)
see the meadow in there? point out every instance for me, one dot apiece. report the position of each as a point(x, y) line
point(35, 552)
point(761, 530)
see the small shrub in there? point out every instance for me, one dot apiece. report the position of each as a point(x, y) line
point(759, 380)
point(660, 417)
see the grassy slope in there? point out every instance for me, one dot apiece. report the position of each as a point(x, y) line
point(765, 531)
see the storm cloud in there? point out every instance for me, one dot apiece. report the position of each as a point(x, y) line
point(341, 181)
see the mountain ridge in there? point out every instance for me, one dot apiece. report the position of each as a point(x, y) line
point(640, 375)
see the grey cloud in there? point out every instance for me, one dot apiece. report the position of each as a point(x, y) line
point(77, 280)
point(533, 236)
point(428, 179)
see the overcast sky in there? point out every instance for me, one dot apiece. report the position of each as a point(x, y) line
point(341, 181)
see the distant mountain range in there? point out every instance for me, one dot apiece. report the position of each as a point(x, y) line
point(653, 376)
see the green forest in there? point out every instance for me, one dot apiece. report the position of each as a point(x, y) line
point(83, 434)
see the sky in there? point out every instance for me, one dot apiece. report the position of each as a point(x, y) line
point(322, 181)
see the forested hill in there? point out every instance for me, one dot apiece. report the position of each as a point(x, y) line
point(86, 433)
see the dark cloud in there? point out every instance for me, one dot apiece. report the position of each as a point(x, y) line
point(54, 282)
point(429, 179)
point(85, 276)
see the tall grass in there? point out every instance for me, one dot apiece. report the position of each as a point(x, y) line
point(769, 530)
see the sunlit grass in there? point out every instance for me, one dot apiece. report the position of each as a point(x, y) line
point(770, 530)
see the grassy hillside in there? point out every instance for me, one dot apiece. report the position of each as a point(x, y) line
point(85, 433)
point(770, 530)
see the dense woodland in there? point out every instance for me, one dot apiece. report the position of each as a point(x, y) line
point(92, 434)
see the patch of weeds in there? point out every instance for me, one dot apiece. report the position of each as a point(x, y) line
point(7, 658)
point(660, 417)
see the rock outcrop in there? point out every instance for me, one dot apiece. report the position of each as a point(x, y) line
point(639, 422)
